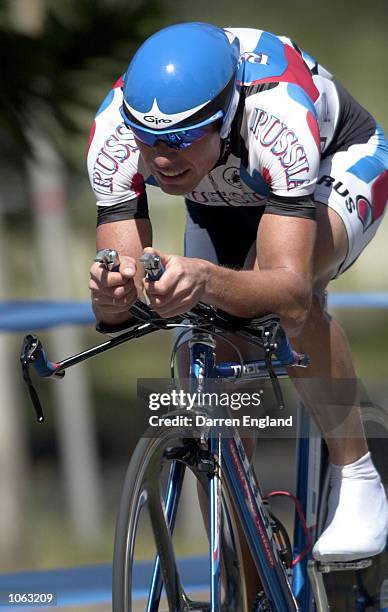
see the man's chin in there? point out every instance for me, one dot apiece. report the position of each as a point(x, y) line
point(176, 189)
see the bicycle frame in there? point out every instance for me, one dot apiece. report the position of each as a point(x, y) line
point(225, 456)
point(311, 460)
point(233, 466)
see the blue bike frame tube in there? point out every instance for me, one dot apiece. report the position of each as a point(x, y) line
point(174, 488)
point(252, 368)
point(202, 367)
point(256, 527)
point(300, 581)
point(215, 527)
point(236, 469)
point(308, 457)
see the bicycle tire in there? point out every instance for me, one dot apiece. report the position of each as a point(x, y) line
point(148, 457)
point(363, 590)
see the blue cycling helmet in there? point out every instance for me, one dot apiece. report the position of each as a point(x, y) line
point(184, 76)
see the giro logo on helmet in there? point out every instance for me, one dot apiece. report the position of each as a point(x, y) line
point(155, 120)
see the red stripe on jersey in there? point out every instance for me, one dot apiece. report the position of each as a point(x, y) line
point(119, 83)
point(314, 129)
point(91, 135)
point(267, 176)
point(299, 71)
point(137, 184)
point(380, 195)
point(364, 212)
point(296, 72)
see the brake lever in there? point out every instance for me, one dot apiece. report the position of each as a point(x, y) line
point(109, 258)
point(25, 362)
point(152, 266)
point(33, 353)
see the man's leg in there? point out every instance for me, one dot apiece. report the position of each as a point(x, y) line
point(358, 513)
point(334, 400)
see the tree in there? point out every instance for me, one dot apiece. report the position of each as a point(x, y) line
point(51, 77)
point(52, 80)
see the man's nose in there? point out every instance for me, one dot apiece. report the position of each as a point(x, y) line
point(161, 151)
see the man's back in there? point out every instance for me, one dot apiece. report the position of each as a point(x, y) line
point(290, 113)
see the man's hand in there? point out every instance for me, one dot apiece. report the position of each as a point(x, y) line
point(180, 288)
point(113, 293)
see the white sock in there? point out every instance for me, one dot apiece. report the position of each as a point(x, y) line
point(360, 469)
point(357, 520)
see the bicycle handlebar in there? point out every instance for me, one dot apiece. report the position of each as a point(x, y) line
point(265, 332)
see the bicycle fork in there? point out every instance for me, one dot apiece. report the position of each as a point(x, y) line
point(174, 488)
point(215, 526)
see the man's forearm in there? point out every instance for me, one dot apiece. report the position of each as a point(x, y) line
point(257, 293)
point(128, 238)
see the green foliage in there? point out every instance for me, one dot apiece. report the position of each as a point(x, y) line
point(50, 77)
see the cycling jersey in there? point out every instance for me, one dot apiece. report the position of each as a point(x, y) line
point(291, 115)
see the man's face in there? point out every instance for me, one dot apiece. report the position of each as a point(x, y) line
point(179, 171)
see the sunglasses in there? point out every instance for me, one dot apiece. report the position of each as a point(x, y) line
point(181, 139)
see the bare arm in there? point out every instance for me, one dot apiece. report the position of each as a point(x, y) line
point(114, 292)
point(281, 280)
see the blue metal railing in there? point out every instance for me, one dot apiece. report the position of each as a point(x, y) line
point(22, 315)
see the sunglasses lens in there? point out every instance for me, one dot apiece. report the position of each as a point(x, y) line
point(184, 139)
point(145, 137)
point(177, 140)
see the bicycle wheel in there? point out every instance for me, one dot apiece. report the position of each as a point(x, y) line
point(364, 590)
point(145, 489)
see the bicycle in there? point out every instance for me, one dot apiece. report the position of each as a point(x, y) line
point(290, 580)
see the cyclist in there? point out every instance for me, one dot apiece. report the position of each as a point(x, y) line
point(285, 182)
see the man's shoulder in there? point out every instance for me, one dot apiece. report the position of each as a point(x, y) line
point(116, 170)
point(268, 58)
point(108, 123)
